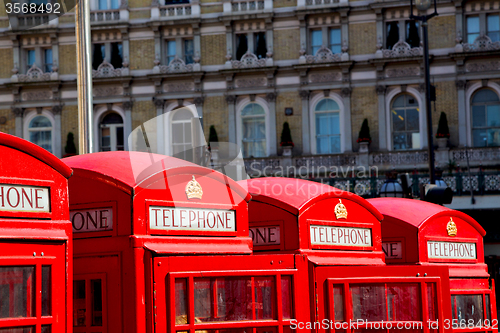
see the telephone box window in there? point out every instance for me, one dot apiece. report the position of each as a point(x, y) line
point(286, 296)
point(46, 329)
point(18, 330)
point(368, 302)
point(467, 307)
point(338, 302)
point(17, 292)
point(432, 301)
point(79, 305)
point(181, 300)
point(46, 291)
point(96, 286)
point(403, 302)
point(264, 295)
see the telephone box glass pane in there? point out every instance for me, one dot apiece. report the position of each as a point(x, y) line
point(46, 291)
point(487, 306)
point(203, 301)
point(466, 307)
point(235, 297)
point(46, 329)
point(431, 301)
point(96, 287)
point(17, 292)
point(79, 303)
point(403, 301)
point(338, 302)
point(18, 330)
point(368, 302)
point(264, 295)
point(286, 296)
point(180, 300)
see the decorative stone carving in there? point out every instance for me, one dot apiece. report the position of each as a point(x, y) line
point(460, 84)
point(304, 94)
point(271, 97)
point(230, 98)
point(180, 86)
point(159, 103)
point(107, 91)
point(177, 65)
point(18, 112)
point(251, 82)
point(106, 70)
point(402, 72)
point(380, 89)
point(402, 49)
point(36, 95)
point(198, 101)
point(57, 109)
point(249, 60)
point(482, 43)
point(325, 77)
point(484, 66)
point(127, 105)
point(324, 54)
point(345, 92)
point(33, 74)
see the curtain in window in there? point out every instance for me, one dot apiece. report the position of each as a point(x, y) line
point(260, 45)
point(392, 34)
point(116, 55)
point(412, 36)
point(254, 131)
point(98, 55)
point(241, 46)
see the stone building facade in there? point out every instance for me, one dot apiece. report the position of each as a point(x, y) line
point(248, 66)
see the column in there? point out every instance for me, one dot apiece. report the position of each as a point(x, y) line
point(271, 101)
point(19, 112)
point(463, 133)
point(382, 118)
point(231, 119)
point(306, 136)
point(127, 126)
point(229, 43)
point(158, 53)
point(125, 47)
point(198, 101)
point(56, 111)
point(160, 126)
point(346, 99)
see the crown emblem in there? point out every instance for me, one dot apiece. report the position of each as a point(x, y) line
point(451, 227)
point(194, 190)
point(340, 210)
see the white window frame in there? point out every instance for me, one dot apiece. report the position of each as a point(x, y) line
point(421, 121)
point(402, 29)
point(94, 5)
point(468, 100)
point(29, 117)
point(240, 105)
point(168, 114)
point(39, 57)
point(312, 119)
point(99, 113)
point(179, 48)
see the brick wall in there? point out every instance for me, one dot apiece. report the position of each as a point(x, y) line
point(364, 104)
point(67, 59)
point(447, 102)
point(69, 123)
point(211, 9)
point(284, 3)
point(215, 112)
point(289, 100)
point(286, 44)
point(442, 32)
point(10, 126)
point(142, 54)
point(142, 111)
point(362, 38)
point(139, 3)
point(213, 49)
point(139, 14)
point(6, 62)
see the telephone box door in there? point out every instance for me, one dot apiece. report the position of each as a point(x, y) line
point(32, 287)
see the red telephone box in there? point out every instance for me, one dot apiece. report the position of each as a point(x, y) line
point(162, 245)
point(422, 233)
point(338, 234)
point(35, 239)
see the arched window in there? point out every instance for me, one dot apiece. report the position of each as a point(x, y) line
point(485, 119)
point(40, 132)
point(253, 119)
point(112, 136)
point(182, 146)
point(405, 121)
point(327, 120)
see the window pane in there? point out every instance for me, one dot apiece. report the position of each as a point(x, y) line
point(487, 306)
point(48, 60)
point(287, 296)
point(116, 55)
point(465, 307)
point(327, 105)
point(46, 291)
point(252, 110)
point(403, 302)
point(98, 55)
point(493, 27)
point(392, 34)
point(484, 96)
point(112, 118)
point(399, 101)
point(335, 41)
point(105, 139)
point(188, 51)
point(234, 298)
point(177, 133)
point(96, 287)
point(327, 123)
point(182, 114)
point(264, 290)
point(338, 302)
point(171, 50)
point(18, 330)
point(368, 302)
point(79, 305)
point(493, 115)
point(119, 138)
point(398, 120)
point(412, 120)
point(478, 116)
point(494, 137)
point(180, 300)
point(42, 139)
point(412, 34)
point(316, 40)
point(203, 300)
point(479, 138)
point(115, 4)
point(103, 4)
point(432, 301)
point(241, 45)
point(46, 329)
point(30, 58)
point(40, 121)
point(260, 46)
point(17, 292)
point(473, 24)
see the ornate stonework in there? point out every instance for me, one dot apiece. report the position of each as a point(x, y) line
point(402, 72)
point(251, 82)
point(34, 74)
point(107, 91)
point(325, 77)
point(483, 66)
point(36, 95)
point(482, 43)
point(180, 86)
point(177, 65)
point(402, 49)
point(106, 70)
point(324, 54)
point(249, 60)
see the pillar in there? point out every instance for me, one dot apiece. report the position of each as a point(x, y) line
point(306, 136)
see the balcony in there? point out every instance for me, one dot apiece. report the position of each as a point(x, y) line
point(175, 11)
point(35, 74)
point(106, 70)
point(247, 6)
point(108, 16)
point(27, 21)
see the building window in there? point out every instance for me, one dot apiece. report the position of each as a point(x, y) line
point(251, 42)
point(30, 58)
point(326, 36)
point(182, 146)
point(171, 50)
point(42, 57)
point(188, 51)
point(473, 28)
point(316, 41)
point(335, 40)
point(111, 132)
point(47, 60)
point(253, 119)
point(485, 119)
point(410, 34)
point(175, 2)
point(493, 28)
point(327, 120)
point(108, 4)
point(40, 132)
point(405, 119)
point(111, 52)
point(182, 48)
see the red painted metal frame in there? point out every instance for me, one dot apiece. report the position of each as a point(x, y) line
point(26, 233)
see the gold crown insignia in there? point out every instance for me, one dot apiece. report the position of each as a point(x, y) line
point(340, 210)
point(451, 227)
point(193, 189)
